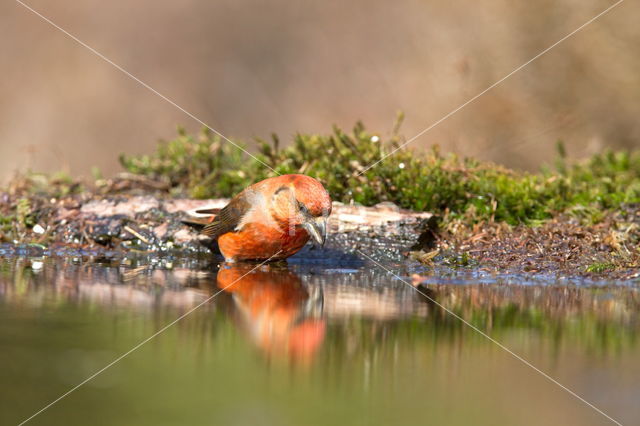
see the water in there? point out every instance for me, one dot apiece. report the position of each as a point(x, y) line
point(306, 343)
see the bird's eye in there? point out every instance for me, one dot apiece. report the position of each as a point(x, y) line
point(302, 208)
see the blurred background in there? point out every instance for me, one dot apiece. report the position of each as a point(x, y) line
point(249, 68)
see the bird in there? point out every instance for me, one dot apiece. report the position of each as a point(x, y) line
point(271, 219)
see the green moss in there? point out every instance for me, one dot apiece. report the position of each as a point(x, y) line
point(201, 166)
point(599, 267)
point(6, 224)
point(205, 166)
point(24, 215)
point(56, 185)
point(458, 260)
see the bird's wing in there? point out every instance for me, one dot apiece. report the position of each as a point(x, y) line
point(229, 217)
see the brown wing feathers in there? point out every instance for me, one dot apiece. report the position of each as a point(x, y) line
point(228, 218)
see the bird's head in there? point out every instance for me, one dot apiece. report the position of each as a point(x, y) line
point(301, 201)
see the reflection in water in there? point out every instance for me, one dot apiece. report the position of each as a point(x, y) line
point(290, 309)
point(369, 344)
point(278, 311)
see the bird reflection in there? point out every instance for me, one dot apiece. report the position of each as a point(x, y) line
point(283, 317)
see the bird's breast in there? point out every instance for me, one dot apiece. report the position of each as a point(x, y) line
point(259, 241)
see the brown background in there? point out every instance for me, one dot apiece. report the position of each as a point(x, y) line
point(248, 68)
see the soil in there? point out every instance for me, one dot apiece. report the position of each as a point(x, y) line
point(144, 223)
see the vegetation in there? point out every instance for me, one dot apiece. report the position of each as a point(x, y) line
point(24, 199)
point(205, 166)
point(202, 166)
point(599, 267)
point(477, 201)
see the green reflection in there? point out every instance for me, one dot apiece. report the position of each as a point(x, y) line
point(293, 346)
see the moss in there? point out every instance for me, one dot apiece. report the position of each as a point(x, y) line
point(29, 198)
point(24, 214)
point(599, 267)
point(459, 260)
point(201, 166)
point(204, 166)
point(6, 225)
point(56, 185)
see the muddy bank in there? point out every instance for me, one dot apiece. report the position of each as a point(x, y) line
point(144, 223)
point(152, 224)
point(562, 246)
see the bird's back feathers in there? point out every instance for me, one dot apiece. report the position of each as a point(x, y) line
point(229, 217)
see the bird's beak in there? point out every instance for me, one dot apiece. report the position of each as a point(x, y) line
point(317, 229)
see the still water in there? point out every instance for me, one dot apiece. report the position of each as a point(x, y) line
point(307, 343)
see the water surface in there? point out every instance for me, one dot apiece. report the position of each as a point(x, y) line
point(307, 343)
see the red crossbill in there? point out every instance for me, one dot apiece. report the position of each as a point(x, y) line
point(271, 219)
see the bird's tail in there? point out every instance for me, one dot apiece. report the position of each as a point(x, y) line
point(199, 218)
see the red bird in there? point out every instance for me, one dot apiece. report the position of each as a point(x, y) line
point(272, 219)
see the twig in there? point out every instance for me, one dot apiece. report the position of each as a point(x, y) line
point(136, 234)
